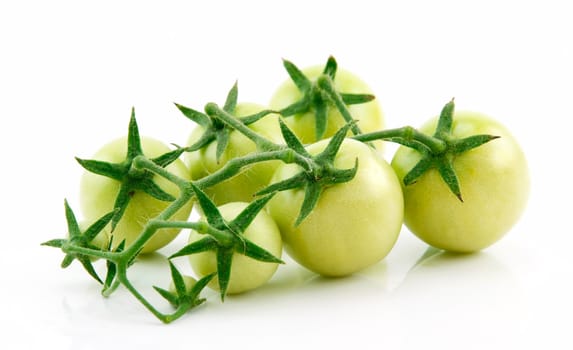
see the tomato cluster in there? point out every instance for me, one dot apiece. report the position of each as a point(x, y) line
point(305, 173)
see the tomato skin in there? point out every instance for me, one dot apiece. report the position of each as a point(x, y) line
point(354, 224)
point(246, 273)
point(369, 115)
point(243, 186)
point(98, 194)
point(494, 181)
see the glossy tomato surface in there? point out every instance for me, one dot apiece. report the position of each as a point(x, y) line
point(246, 272)
point(368, 115)
point(354, 225)
point(494, 181)
point(98, 194)
point(253, 178)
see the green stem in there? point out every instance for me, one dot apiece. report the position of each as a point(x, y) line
point(269, 150)
point(122, 277)
point(408, 134)
point(230, 169)
point(143, 163)
point(186, 193)
point(223, 237)
point(234, 166)
point(109, 291)
point(326, 85)
point(107, 255)
point(262, 143)
point(181, 310)
point(165, 318)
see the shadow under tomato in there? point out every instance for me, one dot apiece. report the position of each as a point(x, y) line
point(466, 296)
point(468, 279)
point(293, 281)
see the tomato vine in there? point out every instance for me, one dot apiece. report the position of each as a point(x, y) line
point(137, 173)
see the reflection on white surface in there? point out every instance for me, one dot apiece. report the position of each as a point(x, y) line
point(472, 300)
point(433, 297)
point(418, 297)
point(507, 296)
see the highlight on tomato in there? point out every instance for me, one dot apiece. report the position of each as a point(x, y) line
point(110, 184)
point(209, 159)
point(354, 224)
point(493, 182)
point(312, 99)
point(245, 272)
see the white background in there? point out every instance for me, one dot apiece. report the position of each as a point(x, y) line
point(70, 71)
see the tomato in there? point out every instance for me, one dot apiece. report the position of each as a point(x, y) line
point(494, 183)
point(246, 273)
point(243, 186)
point(369, 115)
point(354, 224)
point(98, 194)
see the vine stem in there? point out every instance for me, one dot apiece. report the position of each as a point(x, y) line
point(407, 135)
point(109, 291)
point(107, 255)
point(234, 166)
point(223, 237)
point(122, 277)
point(141, 162)
point(262, 143)
point(229, 170)
point(181, 310)
point(326, 85)
point(268, 149)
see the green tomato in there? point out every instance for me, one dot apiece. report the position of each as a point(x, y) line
point(243, 186)
point(354, 224)
point(98, 194)
point(369, 115)
point(494, 182)
point(246, 273)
